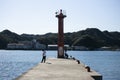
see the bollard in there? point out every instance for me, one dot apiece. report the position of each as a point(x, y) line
point(73, 58)
point(70, 57)
point(88, 68)
point(78, 61)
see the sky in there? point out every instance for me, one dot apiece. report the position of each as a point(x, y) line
point(38, 16)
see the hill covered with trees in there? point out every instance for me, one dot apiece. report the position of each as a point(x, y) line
point(91, 38)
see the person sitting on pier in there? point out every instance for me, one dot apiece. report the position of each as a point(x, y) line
point(66, 55)
point(43, 56)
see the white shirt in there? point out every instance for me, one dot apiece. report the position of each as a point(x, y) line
point(44, 53)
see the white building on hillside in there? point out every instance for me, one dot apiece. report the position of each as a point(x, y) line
point(26, 45)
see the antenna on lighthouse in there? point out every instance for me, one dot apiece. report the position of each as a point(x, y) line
point(60, 12)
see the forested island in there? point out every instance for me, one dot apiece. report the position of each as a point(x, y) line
point(92, 38)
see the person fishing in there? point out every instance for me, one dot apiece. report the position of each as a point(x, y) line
point(43, 56)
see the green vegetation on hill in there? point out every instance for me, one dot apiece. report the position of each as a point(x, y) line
point(91, 38)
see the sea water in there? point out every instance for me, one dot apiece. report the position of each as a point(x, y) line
point(15, 62)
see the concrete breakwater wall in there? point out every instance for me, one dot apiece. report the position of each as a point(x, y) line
point(60, 69)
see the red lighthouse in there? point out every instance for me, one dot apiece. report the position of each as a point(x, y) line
point(60, 15)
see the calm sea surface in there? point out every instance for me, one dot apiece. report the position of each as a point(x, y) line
point(14, 63)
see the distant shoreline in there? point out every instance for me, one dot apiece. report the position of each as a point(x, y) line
point(52, 50)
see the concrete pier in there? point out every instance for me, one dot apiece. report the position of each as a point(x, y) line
point(60, 69)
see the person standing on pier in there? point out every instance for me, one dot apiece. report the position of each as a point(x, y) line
point(43, 56)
